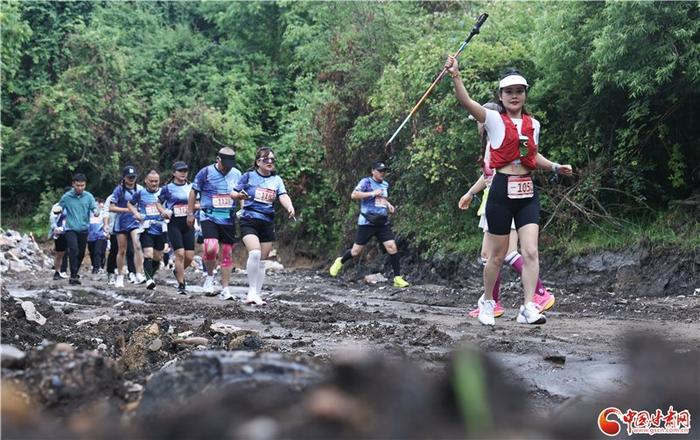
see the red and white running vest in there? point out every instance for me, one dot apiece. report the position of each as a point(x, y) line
point(509, 150)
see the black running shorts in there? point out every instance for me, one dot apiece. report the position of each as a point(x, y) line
point(265, 231)
point(500, 210)
point(366, 232)
point(223, 233)
point(180, 235)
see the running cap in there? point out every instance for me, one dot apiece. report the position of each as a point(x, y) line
point(129, 171)
point(513, 80)
point(228, 157)
point(180, 166)
point(57, 209)
point(379, 166)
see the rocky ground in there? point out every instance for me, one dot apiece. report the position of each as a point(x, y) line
point(336, 357)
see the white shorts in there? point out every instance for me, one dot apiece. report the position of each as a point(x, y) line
point(485, 226)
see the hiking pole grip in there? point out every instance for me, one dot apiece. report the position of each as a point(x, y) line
point(475, 30)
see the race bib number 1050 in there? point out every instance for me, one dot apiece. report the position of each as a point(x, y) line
point(520, 187)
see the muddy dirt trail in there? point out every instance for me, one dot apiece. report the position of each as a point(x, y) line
point(310, 321)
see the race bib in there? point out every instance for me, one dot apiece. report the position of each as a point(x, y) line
point(95, 220)
point(180, 211)
point(151, 210)
point(221, 201)
point(381, 202)
point(265, 195)
point(520, 187)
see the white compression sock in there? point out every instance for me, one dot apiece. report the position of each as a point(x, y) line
point(253, 268)
point(261, 277)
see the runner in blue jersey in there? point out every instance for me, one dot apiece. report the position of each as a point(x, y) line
point(259, 187)
point(125, 225)
point(214, 184)
point(97, 239)
point(172, 204)
point(373, 193)
point(144, 207)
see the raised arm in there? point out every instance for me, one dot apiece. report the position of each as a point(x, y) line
point(473, 107)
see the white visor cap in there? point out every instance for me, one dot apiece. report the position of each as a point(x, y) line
point(513, 80)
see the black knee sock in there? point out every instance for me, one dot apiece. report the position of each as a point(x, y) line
point(156, 266)
point(148, 267)
point(346, 256)
point(394, 259)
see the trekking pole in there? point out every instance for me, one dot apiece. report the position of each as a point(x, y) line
point(475, 30)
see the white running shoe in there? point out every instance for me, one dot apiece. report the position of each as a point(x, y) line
point(119, 283)
point(140, 278)
point(150, 284)
point(254, 298)
point(63, 275)
point(132, 278)
point(529, 314)
point(110, 279)
point(208, 286)
point(226, 294)
point(486, 315)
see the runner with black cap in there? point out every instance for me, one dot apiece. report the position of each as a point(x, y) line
point(373, 193)
point(172, 204)
point(126, 225)
point(214, 183)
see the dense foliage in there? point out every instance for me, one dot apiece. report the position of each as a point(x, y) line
point(92, 86)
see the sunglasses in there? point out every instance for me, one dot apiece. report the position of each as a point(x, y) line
point(182, 170)
point(268, 160)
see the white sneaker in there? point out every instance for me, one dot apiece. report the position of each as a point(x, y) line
point(110, 279)
point(150, 284)
point(225, 294)
point(119, 283)
point(63, 275)
point(486, 308)
point(140, 278)
point(254, 298)
point(132, 278)
point(208, 286)
point(530, 315)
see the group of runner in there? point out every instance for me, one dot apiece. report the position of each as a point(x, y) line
point(145, 218)
point(142, 219)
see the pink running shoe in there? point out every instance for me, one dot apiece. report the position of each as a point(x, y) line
point(497, 312)
point(544, 301)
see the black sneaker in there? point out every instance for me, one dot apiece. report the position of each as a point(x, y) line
point(57, 276)
point(181, 289)
point(74, 281)
point(150, 284)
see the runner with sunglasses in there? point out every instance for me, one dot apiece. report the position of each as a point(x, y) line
point(259, 187)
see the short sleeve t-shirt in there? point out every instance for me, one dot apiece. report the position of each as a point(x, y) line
point(372, 205)
point(145, 201)
point(175, 198)
point(121, 196)
point(215, 191)
point(262, 192)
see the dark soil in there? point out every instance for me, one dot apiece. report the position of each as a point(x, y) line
point(339, 358)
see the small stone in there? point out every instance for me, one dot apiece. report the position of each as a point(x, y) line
point(11, 356)
point(247, 369)
point(32, 314)
point(94, 320)
point(375, 278)
point(155, 345)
